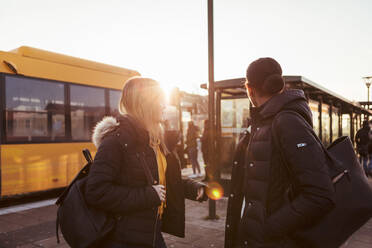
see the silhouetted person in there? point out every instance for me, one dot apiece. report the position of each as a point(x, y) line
point(192, 147)
point(370, 149)
point(362, 140)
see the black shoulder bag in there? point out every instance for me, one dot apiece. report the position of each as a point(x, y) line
point(353, 196)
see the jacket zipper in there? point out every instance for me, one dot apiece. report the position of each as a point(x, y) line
point(156, 209)
point(253, 134)
point(155, 228)
point(245, 171)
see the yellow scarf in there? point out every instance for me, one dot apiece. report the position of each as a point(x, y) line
point(162, 167)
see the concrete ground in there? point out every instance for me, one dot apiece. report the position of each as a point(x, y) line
point(36, 228)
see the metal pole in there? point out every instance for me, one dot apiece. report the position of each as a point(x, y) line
point(211, 109)
point(339, 120)
point(352, 125)
point(368, 96)
point(331, 138)
point(218, 134)
point(179, 107)
point(368, 81)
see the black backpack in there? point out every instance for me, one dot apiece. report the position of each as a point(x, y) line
point(353, 197)
point(81, 225)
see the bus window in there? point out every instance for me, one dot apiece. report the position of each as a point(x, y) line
point(114, 102)
point(87, 108)
point(34, 110)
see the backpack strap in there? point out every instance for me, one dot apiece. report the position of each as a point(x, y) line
point(88, 156)
point(82, 173)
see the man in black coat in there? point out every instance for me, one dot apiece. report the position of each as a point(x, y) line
point(362, 141)
point(260, 213)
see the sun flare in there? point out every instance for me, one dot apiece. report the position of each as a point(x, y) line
point(167, 88)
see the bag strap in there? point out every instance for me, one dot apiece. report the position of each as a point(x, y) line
point(333, 161)
point(88, 156)
point(82, 173)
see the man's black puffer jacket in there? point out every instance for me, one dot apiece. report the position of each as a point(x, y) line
point(261, 178)
point(117, 184)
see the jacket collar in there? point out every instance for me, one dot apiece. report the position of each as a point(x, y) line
point(277, 103)
point(125, 124)
point(137, 131)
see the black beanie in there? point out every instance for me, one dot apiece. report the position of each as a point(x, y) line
point(265, 75)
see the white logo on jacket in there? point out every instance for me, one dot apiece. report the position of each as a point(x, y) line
point(299, 145)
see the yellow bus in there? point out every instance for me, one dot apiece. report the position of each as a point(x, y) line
point(49, 104)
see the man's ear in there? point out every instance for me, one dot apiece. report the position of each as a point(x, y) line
point(252, 96)
point(250, 91)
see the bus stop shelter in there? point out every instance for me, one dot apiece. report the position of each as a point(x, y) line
point(333, 116)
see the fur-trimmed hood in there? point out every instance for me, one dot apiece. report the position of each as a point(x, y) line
point(106, 125)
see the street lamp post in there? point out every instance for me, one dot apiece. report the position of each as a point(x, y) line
point(211, 104)
point(368, 81)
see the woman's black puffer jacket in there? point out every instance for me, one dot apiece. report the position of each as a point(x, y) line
point(117, 184)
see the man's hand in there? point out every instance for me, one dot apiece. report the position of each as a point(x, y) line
point(200, 193)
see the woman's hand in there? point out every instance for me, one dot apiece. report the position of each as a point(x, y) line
point(160, 189)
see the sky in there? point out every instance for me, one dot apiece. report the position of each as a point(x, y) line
point(326, 41)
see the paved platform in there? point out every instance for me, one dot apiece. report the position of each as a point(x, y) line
point(36, 228)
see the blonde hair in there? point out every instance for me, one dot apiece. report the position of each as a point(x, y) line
point(138, 99)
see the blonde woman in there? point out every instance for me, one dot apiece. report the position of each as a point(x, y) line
point(132, 151)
